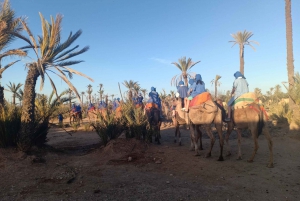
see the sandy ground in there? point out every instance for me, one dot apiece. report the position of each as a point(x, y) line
point(76, 167)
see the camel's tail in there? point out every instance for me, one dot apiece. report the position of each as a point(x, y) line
point(222, 109)
point(261, 122)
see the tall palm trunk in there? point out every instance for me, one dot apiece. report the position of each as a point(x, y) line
point(1, 96)
point(14, 99)
point(290, 60)
point(242, 62)
point(28, 118)
point(216, 89)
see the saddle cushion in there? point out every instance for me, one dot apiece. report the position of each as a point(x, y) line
point(201, 98)
point(151, 105)
point(244, 100)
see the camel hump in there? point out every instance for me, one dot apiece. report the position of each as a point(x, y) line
point(244, 100)
point(199, 99)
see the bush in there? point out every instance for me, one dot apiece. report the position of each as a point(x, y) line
point(10, 123)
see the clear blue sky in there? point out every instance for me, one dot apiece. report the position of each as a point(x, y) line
point(137, 40)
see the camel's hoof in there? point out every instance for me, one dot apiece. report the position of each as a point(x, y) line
point(270, 165)
point(239, 158)
point(221, 158)
point(208, 155)
point(250, 161)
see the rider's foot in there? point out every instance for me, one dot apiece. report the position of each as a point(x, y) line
point(183, 109)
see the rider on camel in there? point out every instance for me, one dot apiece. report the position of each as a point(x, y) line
point(240, 87)
point(197, 88)
point(182, 90)
point(154, 98)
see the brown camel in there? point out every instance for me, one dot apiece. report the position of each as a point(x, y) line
point(153, 116)
point(205, 115)
point(181, 118)
point(254, 118)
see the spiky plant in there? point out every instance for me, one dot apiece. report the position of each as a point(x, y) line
point(10, 122)
point(130, 85)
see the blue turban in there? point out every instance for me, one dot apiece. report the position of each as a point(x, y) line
point(181, 83)
point(198, 77)
point(118, 99)
point(238, 74)
point(191, 81)
point(152, 89)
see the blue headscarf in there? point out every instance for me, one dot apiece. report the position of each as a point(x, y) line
point(238, 74)
point(198, 77)
point(191, 81)
point(181, 83)
point(152, 89)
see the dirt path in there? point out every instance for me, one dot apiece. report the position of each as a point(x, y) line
point(77, 169)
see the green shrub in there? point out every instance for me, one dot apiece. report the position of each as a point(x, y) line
point(10, 122)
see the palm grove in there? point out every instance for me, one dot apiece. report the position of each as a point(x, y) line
point(53, 56)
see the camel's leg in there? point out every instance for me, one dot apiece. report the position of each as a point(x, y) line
point(229, 130)
point(179, 136)
point(239, 132)
point(254, 133)
point(212, 139)
point(176, 130)
point(270, 144)
point(194, 140)
point(200, 136)
point(221, 141)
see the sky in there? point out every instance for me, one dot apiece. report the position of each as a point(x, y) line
point(138, 40)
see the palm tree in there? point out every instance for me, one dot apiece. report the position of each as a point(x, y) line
point(13, 88)
point(69, 91)
point(89, 92)
point(100, 91)
point(52, 56)
point(290, 61)
point(184, 66)
point(242, 39)
point(216, 83)
point(20, 95)
point(144, 91)
point(172, 93)
point(82, 94)
point(130, 85)
point(9, 27)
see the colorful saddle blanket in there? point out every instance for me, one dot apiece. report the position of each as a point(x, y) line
point(244, 100)
point(199, 99)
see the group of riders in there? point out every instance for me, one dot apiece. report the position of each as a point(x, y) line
point(186, 93)
point(197, 86)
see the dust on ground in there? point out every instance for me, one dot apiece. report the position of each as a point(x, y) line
point(75, 166)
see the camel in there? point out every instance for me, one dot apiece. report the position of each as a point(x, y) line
point(205, 115)
point(181, 118)
point(75, 117)
point(153, 116)
point(254, 118)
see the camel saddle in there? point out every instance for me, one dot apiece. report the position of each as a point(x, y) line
point(199, 99)
point(244, 100)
